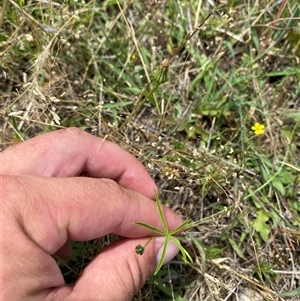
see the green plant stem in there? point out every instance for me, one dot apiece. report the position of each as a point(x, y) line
point(141, 102)
point(160, 77)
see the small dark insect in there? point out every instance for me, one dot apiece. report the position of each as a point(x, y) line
point(139, 250)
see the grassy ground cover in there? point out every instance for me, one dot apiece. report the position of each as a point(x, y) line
point(220, 132)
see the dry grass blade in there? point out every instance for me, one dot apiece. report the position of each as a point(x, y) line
point(3, 10)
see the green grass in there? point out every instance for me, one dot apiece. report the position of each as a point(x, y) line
point(90, 64)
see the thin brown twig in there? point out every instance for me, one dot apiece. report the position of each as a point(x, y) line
point(188, 37)
point(3, 12)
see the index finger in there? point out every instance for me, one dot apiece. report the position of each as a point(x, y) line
point(73, 152)
point(53, 210)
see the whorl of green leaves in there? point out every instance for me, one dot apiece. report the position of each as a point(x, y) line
point(185, 256)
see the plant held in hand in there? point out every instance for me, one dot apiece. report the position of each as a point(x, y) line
point(169, 235)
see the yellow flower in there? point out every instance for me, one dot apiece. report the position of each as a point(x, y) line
point(258, 129)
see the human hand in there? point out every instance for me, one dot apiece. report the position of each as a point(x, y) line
point(69, 185)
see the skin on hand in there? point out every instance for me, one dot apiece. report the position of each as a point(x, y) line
point(46, 201)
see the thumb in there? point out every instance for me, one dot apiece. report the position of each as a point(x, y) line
point(118, 273)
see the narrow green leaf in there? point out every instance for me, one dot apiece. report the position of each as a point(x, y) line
point(279, 186)
point(163, 256)
point(185, 260)
point(189, 259)
point(161, 214)
point(186, 257)
point(291, 293)
point(179, 228)
point(153, 229)
point(236, 248)
point(201, 249)
point(178, 244)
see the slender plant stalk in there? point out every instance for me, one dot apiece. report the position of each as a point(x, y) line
point(140, 102)
point(4, 5)
point(161, 75)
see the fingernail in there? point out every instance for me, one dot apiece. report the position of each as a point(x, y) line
point(171, 252)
